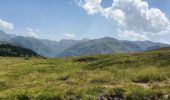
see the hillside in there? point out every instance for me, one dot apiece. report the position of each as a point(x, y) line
point(109, 45)
point(8, 50)
point(133, 76)
point(43, 47)
point(166, 49)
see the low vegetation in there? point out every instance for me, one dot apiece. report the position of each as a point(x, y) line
point(136, 76)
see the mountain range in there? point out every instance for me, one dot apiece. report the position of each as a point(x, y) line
point(68, 47)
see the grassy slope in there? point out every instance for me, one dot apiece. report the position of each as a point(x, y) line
point(138, 74)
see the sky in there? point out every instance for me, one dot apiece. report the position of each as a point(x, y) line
point(77, 19)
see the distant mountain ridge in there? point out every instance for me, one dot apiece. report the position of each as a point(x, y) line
point(4, 37)
point(109, 45)
point(66, 47)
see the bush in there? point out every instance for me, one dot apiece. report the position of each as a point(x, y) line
point(26, 58)
point(2, 85)
point(72, 95)
point(95, 90)
point(64, 77)
point(118, 92)
point(137, 93)
point(115, 94)
point(86, 59)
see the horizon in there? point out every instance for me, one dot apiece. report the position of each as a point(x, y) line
point(92, 19)
point(83, 38)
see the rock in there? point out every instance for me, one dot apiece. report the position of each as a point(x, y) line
point(166, 97)
point(112, 96)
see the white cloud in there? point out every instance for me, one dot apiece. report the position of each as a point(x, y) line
point(130, 35)
point(163, 41)
point(70, 35)
point(6, 25)
point(132, 17)
point(33, 32)
point(117, 15)
point(92, 6)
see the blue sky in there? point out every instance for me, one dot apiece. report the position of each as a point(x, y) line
point(65, 19)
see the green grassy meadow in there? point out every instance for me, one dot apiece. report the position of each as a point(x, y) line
point(137, 76)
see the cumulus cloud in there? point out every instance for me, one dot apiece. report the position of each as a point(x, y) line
point(131, 35)
point(163, 41)
point(92, 6)
point(133, 17)
point(70, 35)
point(6, 25)
point(32, 32)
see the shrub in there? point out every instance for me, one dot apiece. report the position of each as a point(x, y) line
point(115, 94)
point(64, 77)
point(86, 59)
point(26, 58)
point(2, 85)
point(137, 93)
point(95, 90)
point(72, 95)
point(118, 92)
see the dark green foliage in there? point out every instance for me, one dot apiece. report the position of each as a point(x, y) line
point(63, 78)
point(149, 78)
point(23, 97)
point(99, 81)
point(142, 94)
point(95, 90)
point(49, 98)
point(115, 94)
point(7, 50)
point(71, 95)
point(2, 85)
point(135, 93)
point(86, 59)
